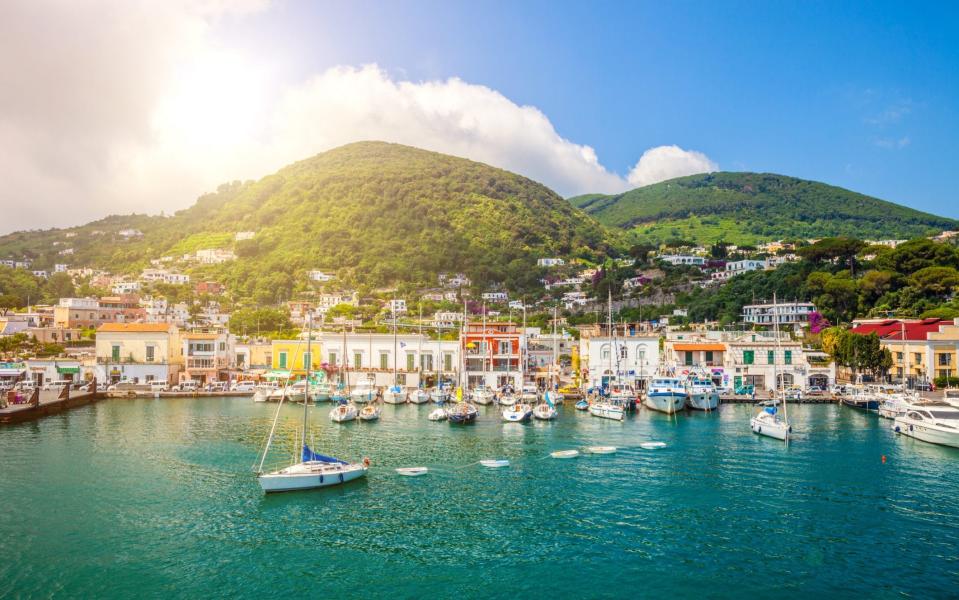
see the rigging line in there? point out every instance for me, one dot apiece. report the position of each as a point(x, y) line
point(276, 415)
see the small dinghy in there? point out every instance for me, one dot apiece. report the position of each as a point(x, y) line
point(495, 464)
point(652, 445)
point(601, 449)
point(370, 412)
point(565, 454)
point(412, 471)
point(439, 414)
point(582, 405)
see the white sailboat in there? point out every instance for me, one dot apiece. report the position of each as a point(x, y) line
point(312, 470)
point(420, 396)
point(767, 421)
point(394, 394)
point(343, 413)
point(518, 413)
point(546, 410)
point(370, 412)
point(609, 408)
point(363, 392)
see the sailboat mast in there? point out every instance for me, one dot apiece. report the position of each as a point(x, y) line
point(395, 357)
point(776, 360)
point(905, 356)
point(308, 361)
point(486, 349)
point(550, 374)
point(609, 330)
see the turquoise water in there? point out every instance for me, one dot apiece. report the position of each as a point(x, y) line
point(155, 498)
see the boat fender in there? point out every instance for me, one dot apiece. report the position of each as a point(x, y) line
point(341, 477)
point(910, 427)
point(321, 479)
point(790, 430)
point(759, 429)
point(366, 462)
point(896, 429)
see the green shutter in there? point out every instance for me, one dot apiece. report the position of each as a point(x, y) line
point(409, 361)
point(709, 356)
point(282, 360)
point(789, 357)
point(770, 357)
point(749, 356)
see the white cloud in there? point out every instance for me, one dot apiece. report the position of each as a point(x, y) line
point(122, 106)
point(665, 162)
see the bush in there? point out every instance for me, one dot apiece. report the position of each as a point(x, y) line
point(944, 382)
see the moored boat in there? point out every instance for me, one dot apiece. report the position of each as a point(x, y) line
point(482, 395)
point(701, 393)
point(363, 392)
point(342, 413)
point(394, 395)
point(518, 413)
point(666, 394)
point(932, 421)
point(767, 422)
point(607, 410)
point(420, 396)
point(438, 414)
point(462, 413)
point(370, 412)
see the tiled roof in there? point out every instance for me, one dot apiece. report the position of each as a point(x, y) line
point(892, 329)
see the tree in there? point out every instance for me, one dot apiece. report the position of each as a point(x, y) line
point(59, 285)
point(935, 282)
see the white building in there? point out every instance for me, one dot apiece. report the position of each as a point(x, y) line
point(60, 268)
point(215, 256)
point(126, 287)
point(244, 235)
point(683, 259)
point(756, 359)
point(550, 262)
point(325, 302)
point(631, 358)
point(737, 267)
point(786, 313)
point(319, 276)
point(635, 282)
point(374, 355)
point(40, 273)
point(129, 233)
point(397, 306)
point(447, 319)
point(496, 296)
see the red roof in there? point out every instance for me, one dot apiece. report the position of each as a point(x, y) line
point(892, 328)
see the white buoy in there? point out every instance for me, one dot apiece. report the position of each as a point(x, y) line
point(565, 454)
point(494, 464)
point(412, 471)
point(652, 445)
point(601, 449)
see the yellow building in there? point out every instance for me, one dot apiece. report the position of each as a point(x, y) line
point(290, 356)
point(930, 348)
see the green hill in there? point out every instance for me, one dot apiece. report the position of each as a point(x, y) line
point(370, 212)
point(751, 207)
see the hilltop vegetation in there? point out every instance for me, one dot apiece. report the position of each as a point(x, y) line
point(745, 208)
point(372, 212)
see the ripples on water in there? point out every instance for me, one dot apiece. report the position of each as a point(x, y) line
point(156, 498)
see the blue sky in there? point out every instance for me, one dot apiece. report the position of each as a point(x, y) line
point(859, 95)
point(142, 107)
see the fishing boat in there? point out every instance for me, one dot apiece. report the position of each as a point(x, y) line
point(482, 395)
point(894, 405)
point(342, 413)
point(438, 414)
point(363, 392)
point(263, 391)
point(545, 410)
point(370, 412)
point(863, 398)
point(701, 393)
point(666, 394)
point(518, 413)
point(313, 470)
point(394, 395)
point(607, 410)
point(420, 396)
point(933, 421)
point(622, 394)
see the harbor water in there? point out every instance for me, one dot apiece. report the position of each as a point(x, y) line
point(156, 498)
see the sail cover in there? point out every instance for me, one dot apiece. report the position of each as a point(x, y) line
point(309, 455)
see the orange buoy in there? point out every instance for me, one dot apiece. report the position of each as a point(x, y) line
point(883, 459)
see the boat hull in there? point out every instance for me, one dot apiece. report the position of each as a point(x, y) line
point(666, 403)
point(305, 477)
point(867, 404)
point(607, 411)
point(343, 413)
point(932, 435)
point(518, 414)
point(770, 428)
point(703, 401)
point(419, 397)
point(391, 397)
point(482, 397)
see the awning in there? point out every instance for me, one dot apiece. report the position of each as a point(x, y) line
point(277, 374)
point(11, 372)
point(68, 370)
point(699, 347)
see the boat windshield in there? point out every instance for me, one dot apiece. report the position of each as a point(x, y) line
point(945, 415)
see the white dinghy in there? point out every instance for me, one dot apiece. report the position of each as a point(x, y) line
point(412, 471)
point(565, 454)
point(495, 464)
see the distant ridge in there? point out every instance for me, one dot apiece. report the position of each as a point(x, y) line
point(750, 207)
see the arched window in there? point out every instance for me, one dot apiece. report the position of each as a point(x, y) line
point(604, 351)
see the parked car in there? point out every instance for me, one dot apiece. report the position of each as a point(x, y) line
point(186, 386)
point(815, 390)
point(243, 386)
point(838, 390)
point(216, 386)
point(159, 385)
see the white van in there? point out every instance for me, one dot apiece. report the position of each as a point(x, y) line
point(57, 385)
point(243, 386)
point(158, 385)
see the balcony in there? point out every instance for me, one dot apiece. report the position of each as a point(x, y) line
point(129, 360)
point(197, 364)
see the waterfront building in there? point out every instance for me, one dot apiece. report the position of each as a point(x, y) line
point(492, 354)
point(47, 370)
point(138, 352)
point(794, 314)
point(208, 356)
point(756, 359)
point(630, 352)
point(254, 356)
point(922, 349)
point(290, 357)
point(417, 358)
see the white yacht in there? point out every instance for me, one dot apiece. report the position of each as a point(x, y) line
point(702, 393)
point(933, 421)
point(342, 413)
point(767, 422)
point(394, 395)
point(482, 395)
point(666, 394)
point(894, 405)
point(363, 392)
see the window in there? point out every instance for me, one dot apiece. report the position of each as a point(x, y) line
point(115, 352)
point(709, 356)
point(918, 358)
point(151, 353)
point(222, 346)
point(504, 347)
point(410, 361)
point(749, 357)
point(447, 362)
point(622, 352)
point(899, 356)
point(945, 359)
point(770, 357)
point(788, 357)
point(357, 360)
point(426, 362)
point(282, 360)
point(689, 359)
point(307, 359)
point(400, 379)
point(333, 359)
point(384, 360)
point(604, 352)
